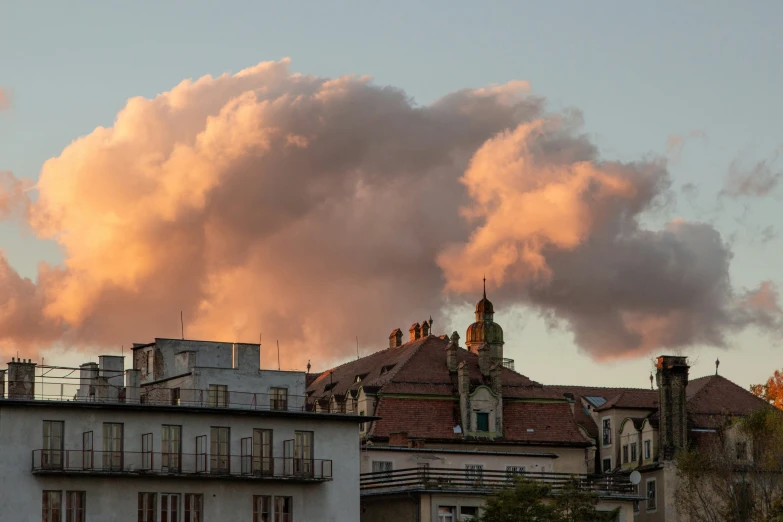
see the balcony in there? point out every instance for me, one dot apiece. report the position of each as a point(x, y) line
point(190, 465)
point(485, 481)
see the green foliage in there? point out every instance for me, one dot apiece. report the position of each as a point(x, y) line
point(530, 501)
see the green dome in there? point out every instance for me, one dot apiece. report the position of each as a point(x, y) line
point(484, 332)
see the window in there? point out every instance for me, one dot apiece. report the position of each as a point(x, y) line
point(468, 513)
point(607, 431)
point(474, 472)
point(512, 471)
point(218, 396)
point(446, 513)
point(219, 446)
point(112, 446)
point(625, 453)
point(607, 465)
point(51, 505)
point(284, 509)
point(175, 396)
point(74, 506)
point(169, 507)
point(303, 453)
point(171, 448)
point(634, 453)
point(146, 451)
point(150, 364)
point(652, 499)
point(382, 466)
point(52, 454)
point(482, 421)
point(147, 505)
point(194, 507)
point(742, 450)
point(262, 508)
point(647, 449)
point(87, 450)
point(278, 398)
point(263, 464)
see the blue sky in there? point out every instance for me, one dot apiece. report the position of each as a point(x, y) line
point(639, 72)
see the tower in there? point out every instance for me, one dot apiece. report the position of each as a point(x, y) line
point(485, 330)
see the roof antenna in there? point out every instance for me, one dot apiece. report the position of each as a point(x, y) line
point(651, 380)
point(717, 363)
point(278, 355)
point(181, 325)
point(308, 365)
point(357, 347)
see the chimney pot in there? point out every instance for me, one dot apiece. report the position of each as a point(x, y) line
point(425, 329)
point(415, 331)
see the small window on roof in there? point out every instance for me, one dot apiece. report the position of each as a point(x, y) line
point(330, 386)
point(358, 378)
point(386, 368)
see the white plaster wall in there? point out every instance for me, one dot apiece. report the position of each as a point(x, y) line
point(114, 499)
point(404, 459)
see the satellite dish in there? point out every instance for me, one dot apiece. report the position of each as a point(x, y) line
point(636, 477)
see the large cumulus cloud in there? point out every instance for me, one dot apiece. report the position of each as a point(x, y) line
point(312, 210)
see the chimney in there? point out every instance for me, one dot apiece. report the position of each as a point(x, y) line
point(21, 379)
point(425, 329)
point(399, 438)
point(451, 357)
point(672, 379)
point(2, 384)
point(415, 331)
point(485, 359)
point(132, 385)
point(395, 338)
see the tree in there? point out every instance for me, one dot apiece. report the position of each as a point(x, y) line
point(771, 391)
point(735, 474)
point(531, 501)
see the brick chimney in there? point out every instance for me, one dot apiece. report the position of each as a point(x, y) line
point(399, 438)
point(672, 379)
point(451, 357)
point(485, 359)
point(415, 331)
point(21, 379)
point(395, 338)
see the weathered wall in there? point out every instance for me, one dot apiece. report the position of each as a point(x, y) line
point(389, 509)
point(111, 499)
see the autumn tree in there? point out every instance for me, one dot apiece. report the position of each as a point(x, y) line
point(736, 475)
point(771, 391)
point(531, 501)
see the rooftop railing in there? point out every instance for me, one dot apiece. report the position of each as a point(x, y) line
point(486, 480)
point(197, 465)
point(157, 395)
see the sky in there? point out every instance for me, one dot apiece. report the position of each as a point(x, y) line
point(693, 85)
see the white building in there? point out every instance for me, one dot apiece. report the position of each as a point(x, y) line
point(195, 431)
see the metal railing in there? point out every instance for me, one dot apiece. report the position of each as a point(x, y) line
point(179, 464)
point(487, 480)
point(159, 396)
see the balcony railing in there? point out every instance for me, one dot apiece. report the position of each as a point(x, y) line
point(203, 465)
point(156, 395)
point(485, 480)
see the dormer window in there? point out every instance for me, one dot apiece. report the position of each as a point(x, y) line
point(330, 386)
point(482, 421)
point(386, 368)
point(358, 378)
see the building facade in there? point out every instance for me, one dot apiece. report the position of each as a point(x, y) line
point(194, 432)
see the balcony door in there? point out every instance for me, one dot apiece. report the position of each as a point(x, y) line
point(169, 507)
point(112, 446)
point(171, 448)
point(52, 454)
point(263, 464)
point(303, 453)
point(219, 446)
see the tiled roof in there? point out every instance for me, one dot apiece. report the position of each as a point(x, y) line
point(717, 394)
point(632, 399)
point(540, 422)
point(420, 418)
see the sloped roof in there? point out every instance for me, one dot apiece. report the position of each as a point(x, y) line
point(540, 422)
point(632, 399)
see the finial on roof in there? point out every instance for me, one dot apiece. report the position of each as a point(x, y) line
point(308, 365)
point(651, 381)
point(717, 363)
point(485, 286)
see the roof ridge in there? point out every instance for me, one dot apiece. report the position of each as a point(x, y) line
point(618, 388)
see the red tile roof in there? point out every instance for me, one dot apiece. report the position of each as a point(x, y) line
point(540, 422)
point(420, 418)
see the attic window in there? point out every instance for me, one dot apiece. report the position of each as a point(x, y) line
point(360, 377)
point(386, 368)
point(330, 386)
